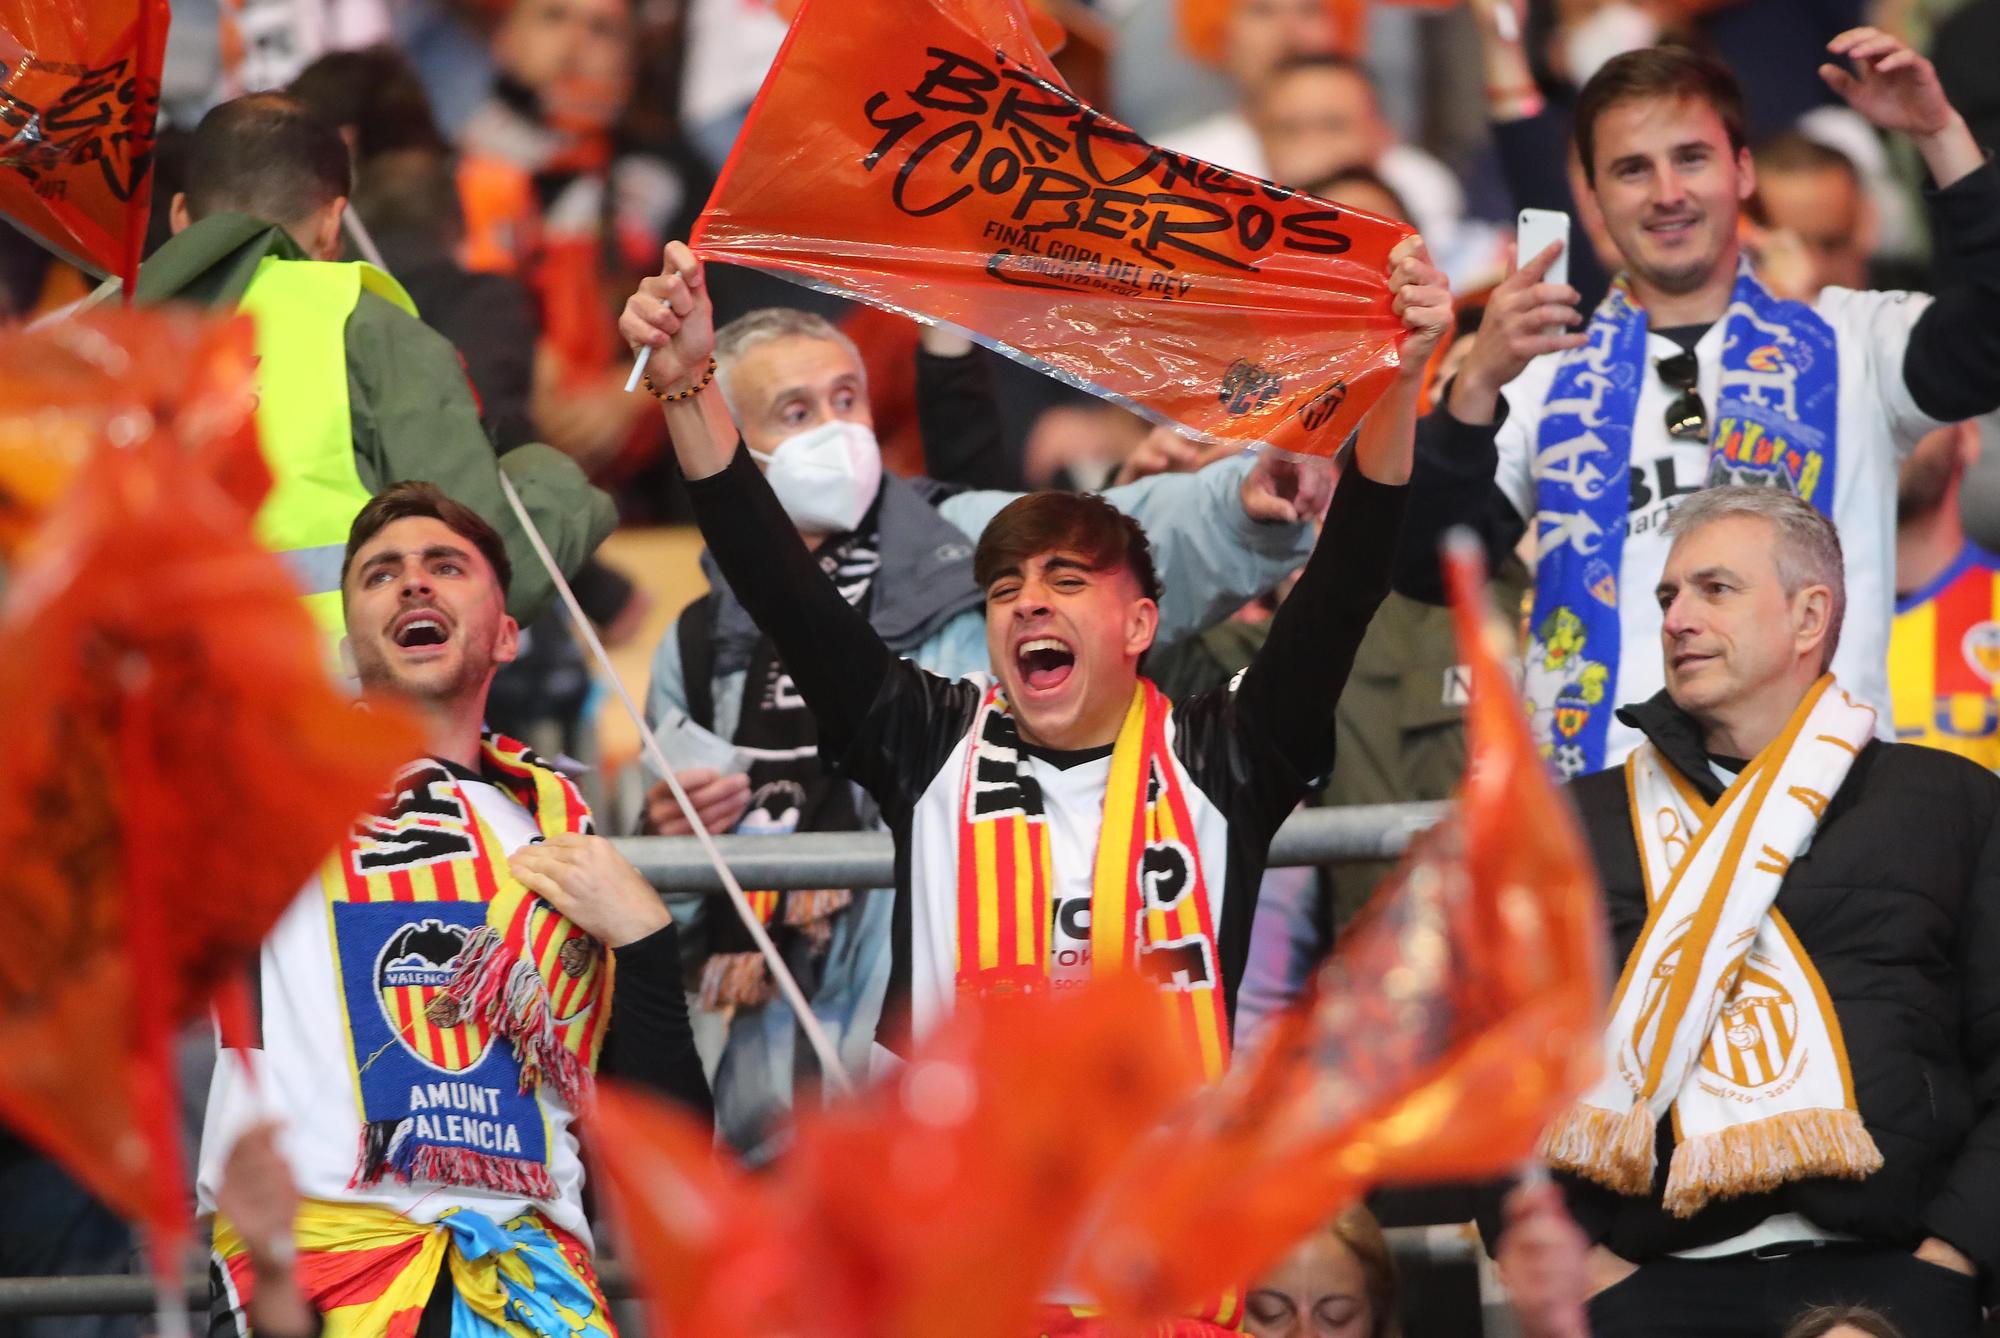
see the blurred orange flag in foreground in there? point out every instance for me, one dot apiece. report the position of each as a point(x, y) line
point(924, 156)
point(1451, 1025)
point(1059, 1147)
point(79, 92)
point(179, 760)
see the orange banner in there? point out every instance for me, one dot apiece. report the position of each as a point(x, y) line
point(925, 156)
point(1460, 1013)
point(178, 761)
point(79, 93)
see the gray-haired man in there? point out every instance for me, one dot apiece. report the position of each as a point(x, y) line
point(1801, 1096)
point(901, 551)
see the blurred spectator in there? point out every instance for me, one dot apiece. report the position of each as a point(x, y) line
point(1258, 37)
point(549, 198)
point(1339, 1282)
point(1963, 49)
point(356, 392)
point(375, 99)
point(729, 717)
point(1809, 187)
point(1944, 651)
point(1801, 1099)
point(1317, 115)
point(1695, 373)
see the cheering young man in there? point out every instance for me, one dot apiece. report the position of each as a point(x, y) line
point(431, 1008)
point(1056, 818)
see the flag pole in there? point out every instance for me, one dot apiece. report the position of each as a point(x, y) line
point(788, 985)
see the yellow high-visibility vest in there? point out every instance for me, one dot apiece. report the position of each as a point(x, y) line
point(301, 308)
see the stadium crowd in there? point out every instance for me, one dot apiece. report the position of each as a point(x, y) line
point(1722, 448)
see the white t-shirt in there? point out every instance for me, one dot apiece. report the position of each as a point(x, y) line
point(306, 1081)
point(1878, 422)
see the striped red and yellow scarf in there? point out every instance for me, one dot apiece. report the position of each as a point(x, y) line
point(1149, 904)
point(442, 951)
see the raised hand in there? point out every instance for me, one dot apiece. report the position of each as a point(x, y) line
point(1420, 294)
point(1890, 84)
point(672, 315)
point(1516, 330)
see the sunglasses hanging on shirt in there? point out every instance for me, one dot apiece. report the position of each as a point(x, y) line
point(1687, 416)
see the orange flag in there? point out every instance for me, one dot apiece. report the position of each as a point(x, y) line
point(178, 760)
point(1459, 1016)
point(79, 92)
point(925, 156)
point(943, 1200)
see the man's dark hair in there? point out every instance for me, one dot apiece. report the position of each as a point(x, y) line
point(265, 155)
point(410, 194)
point(1791, 151)
point(375, 92)
point(1827, 1318)
point(1656, 72)
point(416, 499)
point(1080, 522)
point(1328, 187)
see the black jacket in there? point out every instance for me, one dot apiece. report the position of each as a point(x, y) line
point(1897, 903)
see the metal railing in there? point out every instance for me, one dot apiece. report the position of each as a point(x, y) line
point(867, 859)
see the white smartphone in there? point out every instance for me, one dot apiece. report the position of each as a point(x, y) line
point(1534, 230)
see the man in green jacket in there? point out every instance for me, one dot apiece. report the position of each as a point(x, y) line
point(355, 392)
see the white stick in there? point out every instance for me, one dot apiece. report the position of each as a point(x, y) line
point(170, 1315)
point(363, 243)
point(829, 1061)
point(638, 368)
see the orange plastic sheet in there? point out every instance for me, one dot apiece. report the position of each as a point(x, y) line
point(1459, 1015)
point(1058, 1148)
point(179, 761)
point(79, 93)
point(924, 156)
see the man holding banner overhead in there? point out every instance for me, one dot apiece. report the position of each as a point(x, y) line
point(1054, 817)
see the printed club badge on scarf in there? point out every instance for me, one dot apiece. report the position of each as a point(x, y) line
point(925, 156)
point(1774, 424)
point(464, 993)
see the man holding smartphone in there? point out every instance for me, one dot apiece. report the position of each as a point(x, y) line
point(1691, 373)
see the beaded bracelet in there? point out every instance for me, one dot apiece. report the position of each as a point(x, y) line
point(679, 395)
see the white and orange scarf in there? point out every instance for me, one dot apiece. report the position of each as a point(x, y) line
point(1720, 1017)
point(1149, 903)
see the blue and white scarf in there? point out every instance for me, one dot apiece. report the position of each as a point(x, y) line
point(1774, 424)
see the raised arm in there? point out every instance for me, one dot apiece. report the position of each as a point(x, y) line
point(834, 656)
point(1290, 689)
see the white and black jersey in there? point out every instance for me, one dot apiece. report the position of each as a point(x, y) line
point(1246, 754)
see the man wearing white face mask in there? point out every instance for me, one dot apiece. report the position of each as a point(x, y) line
point(901, 552)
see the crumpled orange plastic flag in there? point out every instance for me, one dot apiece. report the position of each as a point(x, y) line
point(79, 93)
point(943, 1200)
point(1455, 1020)
point(178, 759)
point(925, 156)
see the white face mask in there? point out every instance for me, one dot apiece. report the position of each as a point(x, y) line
point(826, 477)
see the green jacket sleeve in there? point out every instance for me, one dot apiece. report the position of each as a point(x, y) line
point(414, 417)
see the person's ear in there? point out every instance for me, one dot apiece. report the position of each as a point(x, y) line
point(325, 241)
point(178, 217)
point(507, 642)
point(1142, 624)
point(1746, 174)
point(1811, 615)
